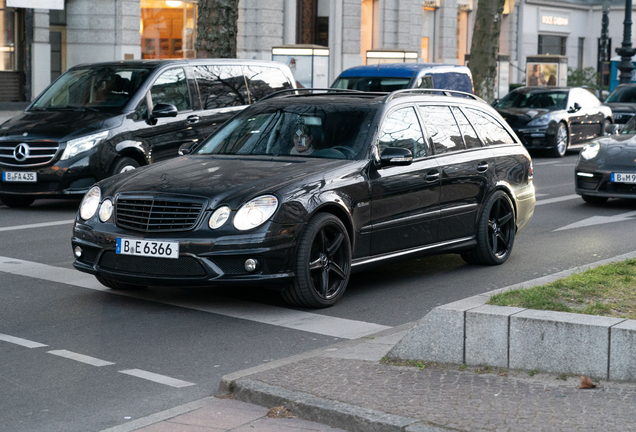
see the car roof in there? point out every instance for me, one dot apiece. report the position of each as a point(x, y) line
point(539, 89)
point(154, 63)
point(399, 70)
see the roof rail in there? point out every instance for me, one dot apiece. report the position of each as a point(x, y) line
point(444, 92)
point(318, 91)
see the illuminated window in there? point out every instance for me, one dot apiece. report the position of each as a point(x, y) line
point(7, 37)
point(425, 49)
point(370, 27)
point(168, 29)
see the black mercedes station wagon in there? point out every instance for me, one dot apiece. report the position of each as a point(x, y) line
point(299, 190)
point(105, 118)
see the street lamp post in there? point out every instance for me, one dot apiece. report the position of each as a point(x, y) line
point(603, 48)
point(626, 51)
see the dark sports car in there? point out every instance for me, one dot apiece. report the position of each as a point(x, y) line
point(299, 190)
point(607, 167)
point(554, 118)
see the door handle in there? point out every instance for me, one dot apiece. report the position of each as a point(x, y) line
point(193, 119)
point(482, 167)
point(432, 176)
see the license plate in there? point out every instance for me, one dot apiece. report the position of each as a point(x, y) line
point(623, 178)
point(29, 177)
point(148, 248)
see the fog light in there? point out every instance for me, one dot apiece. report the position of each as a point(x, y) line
point(77, 251)
point(251, 264)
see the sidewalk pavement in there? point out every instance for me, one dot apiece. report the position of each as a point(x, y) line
point(346, 386)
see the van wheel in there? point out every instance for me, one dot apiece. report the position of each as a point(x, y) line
point(120, 286)
point(16, 202)
point(123, 164)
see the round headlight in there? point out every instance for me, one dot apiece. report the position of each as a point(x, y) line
point(89, 204)
point(106, 210)
point(255, 212)
point(590, 151)
point(219, 217)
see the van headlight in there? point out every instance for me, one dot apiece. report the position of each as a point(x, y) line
point(80, 145)
point(90, 203)
point(590, 151)
point(255, 212)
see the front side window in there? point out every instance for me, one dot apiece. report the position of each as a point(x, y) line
point(490, 130)
point(93, 88)
point(442, 128)
point(402, 129)
point(172, 88)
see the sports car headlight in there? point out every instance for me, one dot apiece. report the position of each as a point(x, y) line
point(590, 150)
point(255, 212)
point(541, 121)
point(89, 204)
point(79, 145)
point(219, 217)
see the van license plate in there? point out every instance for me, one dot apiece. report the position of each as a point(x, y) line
point(29, 177)
point(148, 248)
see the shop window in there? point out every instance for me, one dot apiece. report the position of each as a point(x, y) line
point(7, 38)
point(552, 44)
point(168, 29)
point(462, 35)
point(370, 27)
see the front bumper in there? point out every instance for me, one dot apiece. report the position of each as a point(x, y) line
point(536, 137)
point(599, 183)
point(204, 260)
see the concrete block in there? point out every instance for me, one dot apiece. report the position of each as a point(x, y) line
point(623, 351)
point(487, 335)
point(439, 336)
point(560, 342)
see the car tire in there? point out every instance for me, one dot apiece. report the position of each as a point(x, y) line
point(495, 232)
point(119, 286)
point(560, 141)
point(597, 200)
point(123, 164)
point(606, 123)
point(323, 264)
point(16, 202)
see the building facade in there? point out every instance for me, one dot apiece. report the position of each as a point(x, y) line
point(43, 38)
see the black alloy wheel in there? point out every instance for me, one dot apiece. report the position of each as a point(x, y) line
point(120, 286)
point(16, 202)
point(495, 232)
point(323, 264)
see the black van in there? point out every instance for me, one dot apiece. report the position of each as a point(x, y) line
point(102, 119)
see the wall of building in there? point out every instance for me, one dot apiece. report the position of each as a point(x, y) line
point(40, 53)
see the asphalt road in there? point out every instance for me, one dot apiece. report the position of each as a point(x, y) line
point(78, 357)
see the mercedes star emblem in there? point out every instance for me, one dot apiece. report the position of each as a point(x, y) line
point(21, 152)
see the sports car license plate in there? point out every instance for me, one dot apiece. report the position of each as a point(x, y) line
point(29, 177)
point(148, 248)
point(623, 178)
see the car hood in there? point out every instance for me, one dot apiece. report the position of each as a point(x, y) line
point(619, 152)
point(227, 180)
point(518, 117)
point(57, 125)
point(622, 107)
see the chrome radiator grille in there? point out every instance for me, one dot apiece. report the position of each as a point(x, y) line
point(26, 154)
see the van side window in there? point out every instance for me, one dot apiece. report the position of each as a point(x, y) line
point(401, 128)
point(262, 81)
point(221, 86)
point(490, 129)
point(172, 88)
point(442, 128)
point(470, 136)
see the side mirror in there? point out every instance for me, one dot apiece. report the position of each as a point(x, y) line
point(164, 110)
point(396, 156)
point(576, 108)
point(186, 149)
point(495, 102)
point(613, 129)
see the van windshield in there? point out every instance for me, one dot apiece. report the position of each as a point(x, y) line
point(107, 88)
point(372, 84)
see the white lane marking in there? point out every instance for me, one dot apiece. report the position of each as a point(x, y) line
point(81, 358)
point(272, 315)
point(161, 379)
point(19, 341)
point(37, 225)
point(544, 163)
point(557, 199)
point(598, 220)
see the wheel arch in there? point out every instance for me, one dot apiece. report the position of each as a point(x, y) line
point(507, 189)
point(338, 211)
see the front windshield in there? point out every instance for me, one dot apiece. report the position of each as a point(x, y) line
point(622, 94)
point(92, 88)
point(548, 100)
point(372, 84)
point(334, 131)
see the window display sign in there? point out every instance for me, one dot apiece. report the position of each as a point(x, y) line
point(37, 4)
point(542, 74)
point(553, 20)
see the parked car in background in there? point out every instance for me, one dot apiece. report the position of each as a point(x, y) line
point(102, 119)
point(607, 167)
point(622, 101)
point(554, 118)
point(297, 191)
point(388, 77)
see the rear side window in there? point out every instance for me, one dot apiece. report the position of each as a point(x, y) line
point(221, 86)
point(172, 88)
point(442, 128)
point(471, 139)
point(262, 80)
point(402, 129)
point(491, 131)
